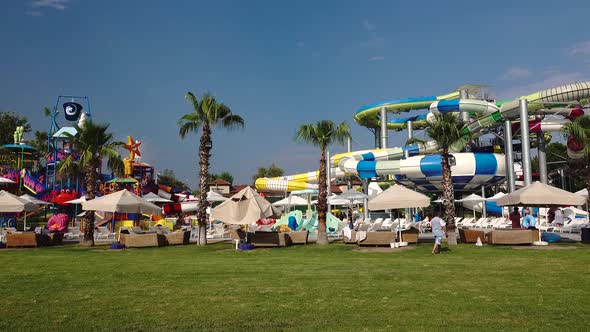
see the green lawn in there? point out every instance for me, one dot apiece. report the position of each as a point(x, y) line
point(297, 288)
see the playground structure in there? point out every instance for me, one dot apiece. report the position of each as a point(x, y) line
point(532, 116)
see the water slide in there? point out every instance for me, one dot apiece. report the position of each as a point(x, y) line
point(472, 169)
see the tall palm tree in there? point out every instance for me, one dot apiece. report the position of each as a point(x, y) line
point(207, 113)
point(91, 144)
point(322, 134)
point(578, 132)
point(445, 130)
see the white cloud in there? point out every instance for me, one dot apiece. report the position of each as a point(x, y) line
point(300, 44)
point(55, 4)
point(548, 79)
point(377, 58)
point(374, 40)
point(582, 48)
point(516, 73)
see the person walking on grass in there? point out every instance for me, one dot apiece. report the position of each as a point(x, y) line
point(438, 230)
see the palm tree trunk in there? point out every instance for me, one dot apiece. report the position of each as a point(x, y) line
point(91, 184)
point(449, 198)
point(204, 156)
point(322, 200)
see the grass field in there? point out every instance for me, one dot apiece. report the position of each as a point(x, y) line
point(296, 288)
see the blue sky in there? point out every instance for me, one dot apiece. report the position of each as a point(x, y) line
point(279, 64)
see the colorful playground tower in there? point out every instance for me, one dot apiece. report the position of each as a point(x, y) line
point(58, 146)
point(139, 177)
point(416, 165)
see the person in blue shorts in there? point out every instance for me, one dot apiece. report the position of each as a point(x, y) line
point(529, 222)
point(438, 230)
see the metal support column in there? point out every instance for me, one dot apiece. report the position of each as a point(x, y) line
point(542, 154)
point(366, 200)
point(377, 137)
point(509, 156)
point(410, 136)
point(525, 142)
point(483, 203)
point(383, 128)
point(349, 149)
point(464, 115)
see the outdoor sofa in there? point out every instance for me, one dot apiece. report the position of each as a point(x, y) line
point(410, 235)
point(298, 237)
point(134, 240)
point(270, 239)
point(471, 235)
point(512, 236)
point(22, 239)
point(378, 239)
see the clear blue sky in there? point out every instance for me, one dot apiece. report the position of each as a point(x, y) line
point(279, 64)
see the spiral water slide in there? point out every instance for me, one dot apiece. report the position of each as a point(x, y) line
point(471, 169)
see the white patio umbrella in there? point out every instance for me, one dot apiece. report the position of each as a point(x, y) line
point(214, 196)
point(122, 201)
point(12, 203)
point(352, 194)
point(398, 197)
point(77, 200)
point(583, 192)
point(541, 195)
point(33, 200)
point(291, 200)
point(6, 180)
point(244, 208)
point(495, 197)
point(153, 198)
point(472, 202)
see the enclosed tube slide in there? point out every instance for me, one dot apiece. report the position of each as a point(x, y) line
point(370, 163)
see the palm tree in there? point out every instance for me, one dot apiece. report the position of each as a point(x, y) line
point(578, 132)
point(90, 146)
point(322, 134)
point(445, 130)
point(207, 113)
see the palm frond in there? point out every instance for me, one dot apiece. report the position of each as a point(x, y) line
point(232, 121)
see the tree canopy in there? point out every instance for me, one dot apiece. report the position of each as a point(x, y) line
point(168, 178)
point(268, 172)
point(226, 176)
point(8, 123)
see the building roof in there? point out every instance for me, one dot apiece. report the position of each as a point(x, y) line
point(335, 189)
point(220, 182)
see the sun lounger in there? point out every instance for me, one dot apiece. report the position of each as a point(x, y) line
point(73, 234)
point(103, 234)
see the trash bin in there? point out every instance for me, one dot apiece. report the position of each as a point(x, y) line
point(585, 235)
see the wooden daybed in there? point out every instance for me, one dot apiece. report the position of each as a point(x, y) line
point(512, 236)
